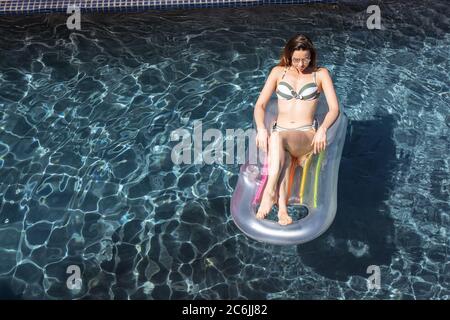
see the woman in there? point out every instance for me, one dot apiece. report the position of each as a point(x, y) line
point(298, 83)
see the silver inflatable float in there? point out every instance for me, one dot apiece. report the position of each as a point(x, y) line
point(314, 188)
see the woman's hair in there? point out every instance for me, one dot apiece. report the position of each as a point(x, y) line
point(298, 42)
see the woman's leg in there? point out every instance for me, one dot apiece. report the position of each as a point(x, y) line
point(298, 145)
point(276, 163)
point(283, 217)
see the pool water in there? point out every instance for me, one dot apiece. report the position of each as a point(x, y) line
point(87, 180)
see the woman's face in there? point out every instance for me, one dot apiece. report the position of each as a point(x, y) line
point(300, 59)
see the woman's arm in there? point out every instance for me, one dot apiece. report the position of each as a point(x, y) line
point(260, 108)
point(332, 101)
point(319, 142)
point(264, 98)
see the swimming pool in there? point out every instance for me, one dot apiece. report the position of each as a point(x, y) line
point(86, 177)
point(8, 7)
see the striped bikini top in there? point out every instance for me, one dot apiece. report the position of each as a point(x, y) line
point(308, 92)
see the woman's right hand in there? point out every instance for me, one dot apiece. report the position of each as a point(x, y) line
point(262, 139)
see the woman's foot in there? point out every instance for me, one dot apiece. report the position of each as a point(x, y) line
point(267, 202)
point(284, 218)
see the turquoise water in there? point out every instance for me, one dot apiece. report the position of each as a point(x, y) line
point(86, 176)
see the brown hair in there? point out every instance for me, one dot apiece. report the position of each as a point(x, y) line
point(298, 42)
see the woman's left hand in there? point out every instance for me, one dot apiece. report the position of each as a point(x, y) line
point(320, 140)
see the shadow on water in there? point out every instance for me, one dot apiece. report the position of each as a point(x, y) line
point(362, 233)
point(6, 291)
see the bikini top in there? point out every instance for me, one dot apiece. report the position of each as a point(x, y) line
point(308, 92)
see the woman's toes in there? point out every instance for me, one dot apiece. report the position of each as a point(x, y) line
point(284, 220)
point(260, 215)
point(262, 212)
point(266, 206)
